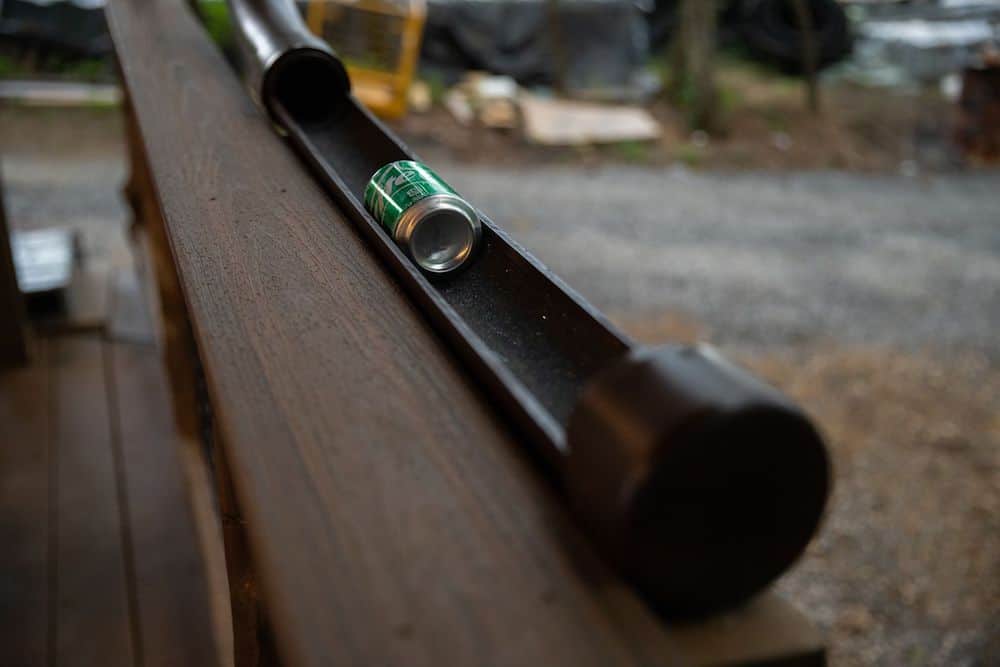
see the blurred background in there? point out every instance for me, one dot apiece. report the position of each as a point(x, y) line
point(808, 184)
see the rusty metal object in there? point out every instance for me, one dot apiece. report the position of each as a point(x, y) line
point(978, 127)
point(701, 483)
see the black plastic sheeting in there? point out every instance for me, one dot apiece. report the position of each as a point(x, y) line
point(64, 27)
point(601, 45)
point(771, 32)
point(592, 46)
point(576, 44)
point(767, 29)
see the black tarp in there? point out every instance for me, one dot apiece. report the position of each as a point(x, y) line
point(580, 45)
point(66, 27)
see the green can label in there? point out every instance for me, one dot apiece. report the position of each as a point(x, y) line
point(399, 185)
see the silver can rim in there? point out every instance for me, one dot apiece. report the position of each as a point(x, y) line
point(437, 204)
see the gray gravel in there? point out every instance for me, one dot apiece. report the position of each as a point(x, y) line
point(875, 302)
point(766, 258)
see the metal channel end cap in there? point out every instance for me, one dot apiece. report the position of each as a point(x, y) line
point(699, 482)
point(440, 233)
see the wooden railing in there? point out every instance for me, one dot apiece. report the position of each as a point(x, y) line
point(376, 509)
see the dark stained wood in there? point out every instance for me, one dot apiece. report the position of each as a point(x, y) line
point(201, 488)
point(171, 591)
point(244, 588)
point(68, 563)
point(90, 621)
point(174, 329)
point(13, 345)
point(24, 510)
point(391, 518)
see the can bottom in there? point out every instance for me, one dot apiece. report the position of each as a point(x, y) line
point(441, 241)
point(439, 233)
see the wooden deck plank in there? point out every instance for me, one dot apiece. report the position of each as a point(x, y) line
point(392, 518)
point(24, 509)
point(91, 615)
point(175, 623)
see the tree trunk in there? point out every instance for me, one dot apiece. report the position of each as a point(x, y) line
point(804, 18)
point(558, 41)
point(693, 84)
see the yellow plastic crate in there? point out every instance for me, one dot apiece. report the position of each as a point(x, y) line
point(379, 42)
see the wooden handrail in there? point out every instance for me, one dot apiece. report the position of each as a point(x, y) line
point(390, 518)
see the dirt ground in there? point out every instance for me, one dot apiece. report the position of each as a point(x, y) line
point(765, 125)
point(907, 567)
point(906, 570)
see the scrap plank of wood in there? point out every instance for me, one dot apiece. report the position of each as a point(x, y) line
point(91, 623)
point(24, 510)
point(392, 518)
point(555, 122)
point(171, 591)
point(765, 631)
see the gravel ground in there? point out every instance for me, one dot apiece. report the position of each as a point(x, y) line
point(766, 259)
point(873, 300)
point(66, 168)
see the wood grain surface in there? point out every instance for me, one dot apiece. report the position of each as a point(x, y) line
point(162, 285)
point(392, 518)
point(24, 513)
point(99, 564)
point(90, 613)
point(172, 614)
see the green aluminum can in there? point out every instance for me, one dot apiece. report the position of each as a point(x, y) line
point(436, 227)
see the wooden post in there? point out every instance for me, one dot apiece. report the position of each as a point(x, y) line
point(13, 345)
point(251, 640)
point(179, 351)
